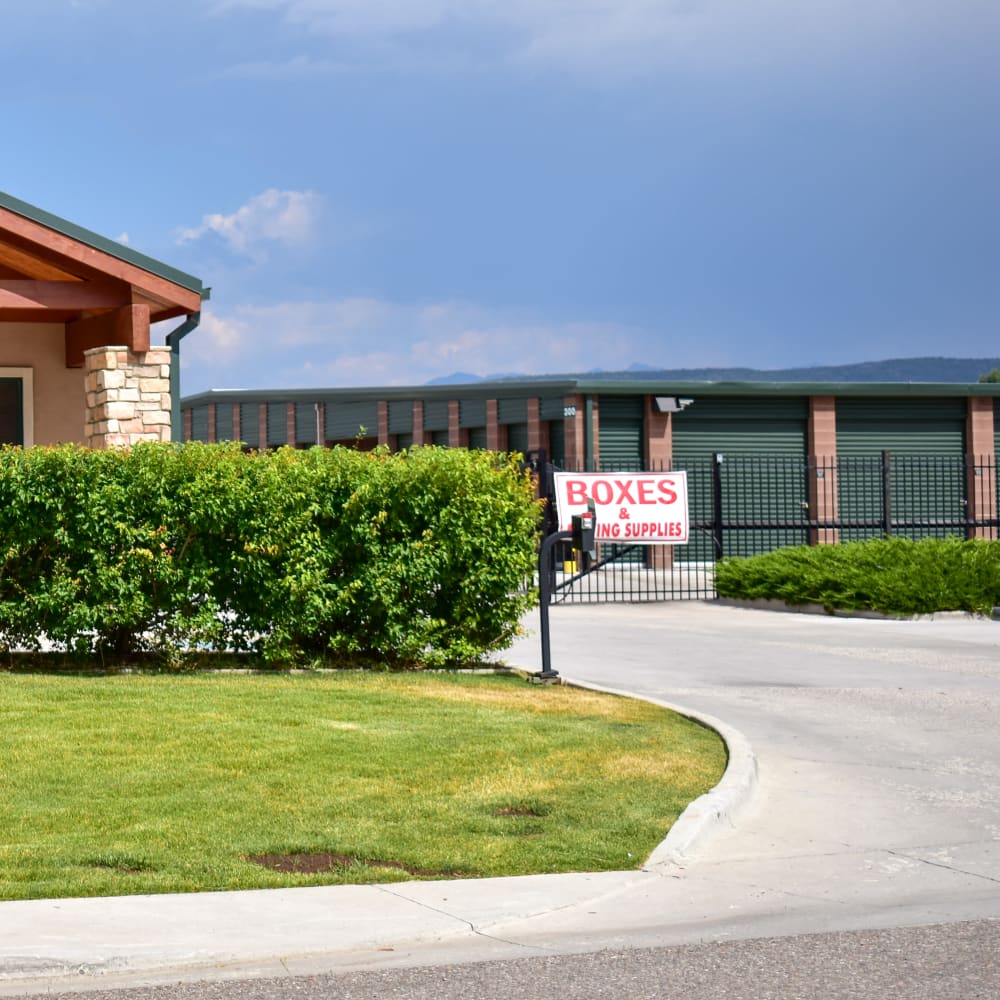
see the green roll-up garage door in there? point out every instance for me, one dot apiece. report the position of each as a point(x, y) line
point(305, 424)
point(620, 434)
point(737, 426)
point(925, 439)
point(223, 421)
point(199, 424)
point(350, 420)
point(517, 438)
point(620, 449)
point(557, 443)
point(763, 476)
point(901, 426)
point(436, 415)
point(250, 424)
point(277, 424)
point(401, 418)
point(552, 411)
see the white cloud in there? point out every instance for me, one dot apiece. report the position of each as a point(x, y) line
point(631, 35)
point(363, 341)
point(217, 340)
point(540, 32)
point(296, 68)
point(274, 216)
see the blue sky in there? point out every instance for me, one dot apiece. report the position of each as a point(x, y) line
point(388, 191)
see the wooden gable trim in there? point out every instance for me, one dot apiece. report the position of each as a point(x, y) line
point(165, 298)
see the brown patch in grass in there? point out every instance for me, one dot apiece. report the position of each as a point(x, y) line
point(516, 811)
point(325, 861)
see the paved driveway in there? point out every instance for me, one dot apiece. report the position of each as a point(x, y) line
point(879, 766)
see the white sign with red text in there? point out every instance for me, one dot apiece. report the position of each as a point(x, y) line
point(633, 508)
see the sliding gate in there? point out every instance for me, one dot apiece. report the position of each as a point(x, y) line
point(745, 505)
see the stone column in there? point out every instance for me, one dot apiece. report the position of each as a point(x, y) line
point(128, 396)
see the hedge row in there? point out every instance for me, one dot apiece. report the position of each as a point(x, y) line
point(292, 555)
point(892, 575)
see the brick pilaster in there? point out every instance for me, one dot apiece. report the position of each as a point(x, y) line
point(383, 422)
point(822, 445)
point(534, 424)
point(573, 407)
point(981, 464)
point(418, 422)
point(494, 432)
point(659, 456)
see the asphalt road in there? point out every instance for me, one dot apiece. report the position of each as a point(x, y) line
point(943, 962)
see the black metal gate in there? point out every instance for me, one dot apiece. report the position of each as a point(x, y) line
point(750, 504)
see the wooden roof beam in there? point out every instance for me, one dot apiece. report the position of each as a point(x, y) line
point(72, 295)
point(128, 326)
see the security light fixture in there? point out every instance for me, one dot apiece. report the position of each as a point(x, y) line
point(671, 404)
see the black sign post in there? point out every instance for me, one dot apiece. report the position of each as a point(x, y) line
point(583, 538)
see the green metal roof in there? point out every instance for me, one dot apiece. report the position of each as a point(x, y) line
point(474, 390)
point(659, 388)
point(529, 388)
point(103, 244)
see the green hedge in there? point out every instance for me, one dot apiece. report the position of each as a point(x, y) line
point(892, 575)
point(294, 555)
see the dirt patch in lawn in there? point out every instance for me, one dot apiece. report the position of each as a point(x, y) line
point(325, 861)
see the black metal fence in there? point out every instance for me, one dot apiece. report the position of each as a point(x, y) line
point(747, 505)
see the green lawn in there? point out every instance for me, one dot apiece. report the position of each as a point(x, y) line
point(157, 783)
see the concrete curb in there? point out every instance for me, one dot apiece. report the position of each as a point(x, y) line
point(774, 604)
point(715, 809)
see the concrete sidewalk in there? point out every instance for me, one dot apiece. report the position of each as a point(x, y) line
point(878, 805)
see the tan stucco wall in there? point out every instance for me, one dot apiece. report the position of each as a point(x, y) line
point(59, 400)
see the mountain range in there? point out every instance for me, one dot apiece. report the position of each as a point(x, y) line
point(954, 370)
